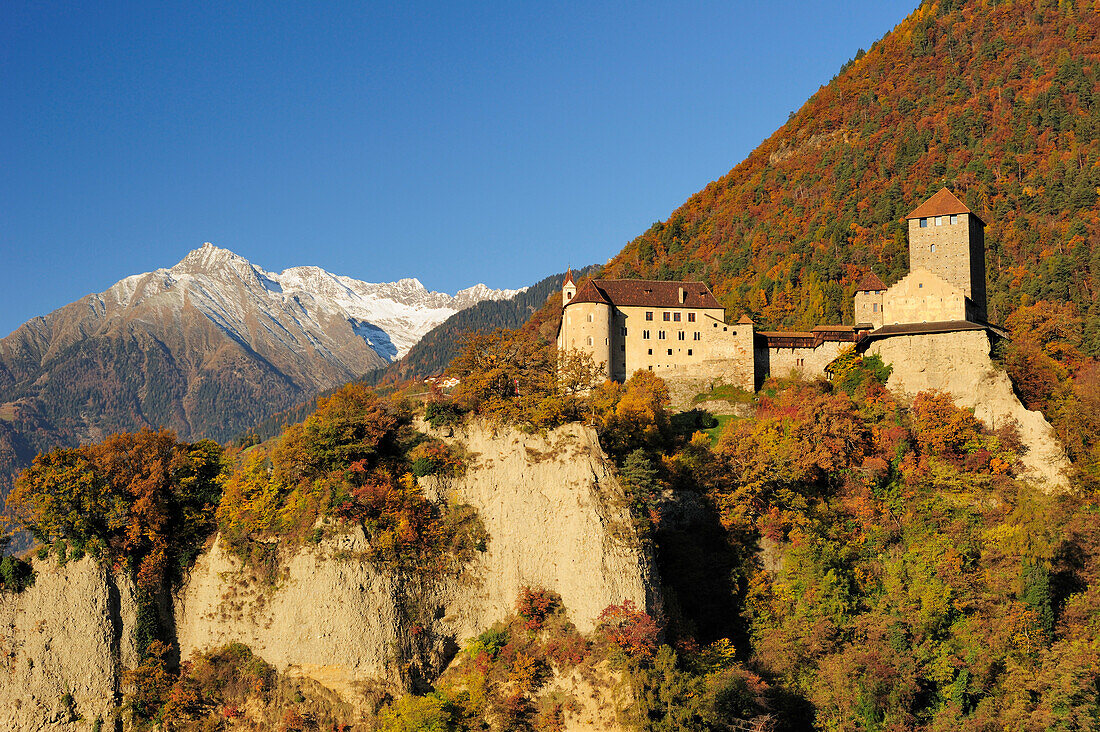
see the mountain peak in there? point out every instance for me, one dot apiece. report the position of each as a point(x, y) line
point(209, 257)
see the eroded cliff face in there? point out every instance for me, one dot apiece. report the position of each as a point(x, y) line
point(555, 516)
point(64, 644)
point(959, 363)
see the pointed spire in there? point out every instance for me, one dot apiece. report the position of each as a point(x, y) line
point(568, 278)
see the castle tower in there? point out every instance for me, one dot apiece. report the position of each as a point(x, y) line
point(568, 288)
point(586, 322)
point(948, 239)
point(869, 301)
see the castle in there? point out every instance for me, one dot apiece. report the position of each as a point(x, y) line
point(678, 329)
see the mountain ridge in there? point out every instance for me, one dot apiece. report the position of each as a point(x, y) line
point(206, 347)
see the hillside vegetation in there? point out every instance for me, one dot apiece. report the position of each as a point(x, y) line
point(1000, 101)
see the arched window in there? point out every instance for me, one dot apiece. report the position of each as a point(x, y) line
point(590, 317)
point(590, 337)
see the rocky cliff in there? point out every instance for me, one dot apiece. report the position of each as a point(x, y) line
point(555, 516)
point(960, 363)
point(64, 644)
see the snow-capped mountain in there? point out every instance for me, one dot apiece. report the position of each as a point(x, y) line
point(207, 347)
point(390, 317)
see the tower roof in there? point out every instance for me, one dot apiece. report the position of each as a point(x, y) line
point(942, 203)
point(646, 293)
point(871, 281)
point(568, 278)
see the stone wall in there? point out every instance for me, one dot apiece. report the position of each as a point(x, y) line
point(951, 260)
point(806, 362)
point(685, 382)
point(923, 297)
point(868, 307)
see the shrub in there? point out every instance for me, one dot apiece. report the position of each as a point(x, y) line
point(15, 574)
point(433, 457)
point(534, 604)
point(630, 631)
point(412, 713)
point(441, 413)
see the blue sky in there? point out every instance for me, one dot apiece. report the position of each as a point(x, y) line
point(496, 142)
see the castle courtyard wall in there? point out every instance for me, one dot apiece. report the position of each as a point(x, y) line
point(807, 362)
point(923, 297)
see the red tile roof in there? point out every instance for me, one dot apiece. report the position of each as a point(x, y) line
point(870, 281)
point(943, 203)
point(646, 293)
point(568, 278)
point(588, 292)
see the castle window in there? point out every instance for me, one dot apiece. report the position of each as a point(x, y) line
point(650, 353)
point(689, 351)
point(680, 336)
point(590, 340)
point(624, 332)
point(676, 317)
point(920, 284)
point(924, 223)
point(874, 307)
point(933, 248)
point(660, 335)
point(697, 336)
point(939, 221)
point(954, 218)
point(670, 351)
point(649, 315)
point(691, 317)
point(734, 333)
point(667, 316)
point(590, 317)
point(645, 335)
point(570, 295)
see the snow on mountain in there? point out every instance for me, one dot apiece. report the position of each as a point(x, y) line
point(240, 297)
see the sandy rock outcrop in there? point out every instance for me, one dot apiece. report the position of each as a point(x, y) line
point(64, 643)
point(556, 518)
point(329, 618)
point(960, 363)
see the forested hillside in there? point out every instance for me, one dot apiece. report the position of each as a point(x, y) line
point(998, 101)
